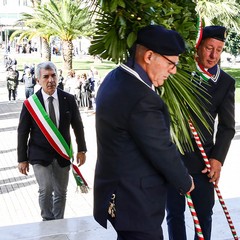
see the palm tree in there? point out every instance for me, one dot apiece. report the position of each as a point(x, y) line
point(65, 19)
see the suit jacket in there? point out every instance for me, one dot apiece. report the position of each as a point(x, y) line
point(220, 104)
point(136, 158)
point(32, 144)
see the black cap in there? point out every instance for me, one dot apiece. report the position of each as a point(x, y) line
point(161, 40)
point(217, 32)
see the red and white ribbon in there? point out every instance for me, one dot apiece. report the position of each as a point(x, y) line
point(207, 163)
point(194, 215)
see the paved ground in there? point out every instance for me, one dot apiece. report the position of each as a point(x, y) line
point(19, 211)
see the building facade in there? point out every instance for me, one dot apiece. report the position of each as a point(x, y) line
point(10, 13)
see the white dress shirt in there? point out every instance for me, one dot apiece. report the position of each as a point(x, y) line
point(55, 104)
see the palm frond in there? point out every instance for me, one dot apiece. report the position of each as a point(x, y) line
point(183, 97)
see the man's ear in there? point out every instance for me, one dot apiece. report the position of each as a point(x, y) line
point(148, 56)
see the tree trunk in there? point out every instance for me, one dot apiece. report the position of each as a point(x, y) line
point(46, 52)
point(67, 52)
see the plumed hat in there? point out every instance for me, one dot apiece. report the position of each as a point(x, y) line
point(161, 40)
point(217, 32)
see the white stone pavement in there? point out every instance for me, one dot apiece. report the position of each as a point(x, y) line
point(19, 211)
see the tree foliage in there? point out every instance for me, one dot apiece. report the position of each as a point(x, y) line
point(220, 12)
point(118, 22)
point(233, 43)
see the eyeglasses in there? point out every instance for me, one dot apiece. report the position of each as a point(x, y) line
point(171, 62)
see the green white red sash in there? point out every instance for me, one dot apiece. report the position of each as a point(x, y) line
point(47, 127)
point(205, 75)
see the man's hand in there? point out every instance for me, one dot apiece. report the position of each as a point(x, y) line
point(215, 170)
point(23, 167)
point(81, 158)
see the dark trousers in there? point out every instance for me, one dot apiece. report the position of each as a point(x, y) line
point(156, 234)
point(203, 200)
point(127, 235)
point(11, 92)
point(29, 92)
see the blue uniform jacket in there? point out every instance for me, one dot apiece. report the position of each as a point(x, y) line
point(136, 158)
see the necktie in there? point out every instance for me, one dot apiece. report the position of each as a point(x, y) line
point(51, 110)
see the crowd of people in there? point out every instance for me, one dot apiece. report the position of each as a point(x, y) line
point(83, 85)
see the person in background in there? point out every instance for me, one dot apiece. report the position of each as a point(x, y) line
point(219, 100)
point(32, 69)
point(50, 167)
point(12, 83)
point(29, 82)
point(78, 89)
point(89, 89)
point(84, 103)
point(8, 62)
point(69, 82)
point(96, 81)
point(60, 79)
point(136, 157)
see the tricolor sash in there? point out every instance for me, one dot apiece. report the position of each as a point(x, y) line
point(205, 75)
point(53, 135)
point(47, 127)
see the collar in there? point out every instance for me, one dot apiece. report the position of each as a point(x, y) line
point(45, 95)
point(215, 72)
point(208, 74)
point(134, 73)
point(143, 75)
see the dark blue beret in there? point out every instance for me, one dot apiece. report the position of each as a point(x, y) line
point(217, 32)
point(161, 40)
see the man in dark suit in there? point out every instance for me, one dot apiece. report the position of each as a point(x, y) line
point(38, 140)
point(219, 100)
point(136, 157)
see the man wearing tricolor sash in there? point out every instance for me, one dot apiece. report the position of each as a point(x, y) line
point(44, 140)
point(219, 100)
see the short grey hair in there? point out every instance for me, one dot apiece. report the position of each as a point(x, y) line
point(45, 65)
